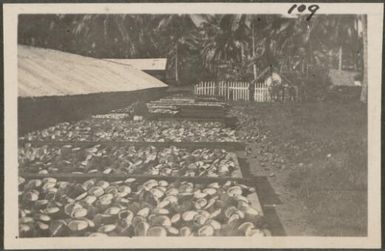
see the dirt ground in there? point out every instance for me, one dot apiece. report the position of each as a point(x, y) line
point(315, 156)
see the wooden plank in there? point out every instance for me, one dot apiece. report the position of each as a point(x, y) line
point(268, 197)
point(275, 225)
point(254, 201)
point(114, 177)
point(199, 104)
point(237, 172)
point(226, 121)
point(244, 167)
point(230, 146)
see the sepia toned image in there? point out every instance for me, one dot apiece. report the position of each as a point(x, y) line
point(193, 127)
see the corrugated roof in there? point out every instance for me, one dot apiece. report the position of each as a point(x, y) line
point(45, 72)
point(143, 64)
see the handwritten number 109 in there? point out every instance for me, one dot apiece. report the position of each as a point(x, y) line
point(312, 9)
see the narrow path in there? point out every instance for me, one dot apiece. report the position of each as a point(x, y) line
point(291, 211)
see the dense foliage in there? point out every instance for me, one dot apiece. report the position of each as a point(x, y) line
point(231, 47)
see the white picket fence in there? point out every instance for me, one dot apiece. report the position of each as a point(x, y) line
point(231, 90)
point(261, 92)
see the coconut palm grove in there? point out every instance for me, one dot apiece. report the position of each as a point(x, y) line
point(256, 125)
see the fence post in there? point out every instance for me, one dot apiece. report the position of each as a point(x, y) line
point(239, 91)
point(197, 89)
point(232, 91)
point(222, 89)
point(257, 88)
point(222, 92)
point(255, 92)
point(259, 92)
point(235, 92)
point(242, 91)
point(246, 91)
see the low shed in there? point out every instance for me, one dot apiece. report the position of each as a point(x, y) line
point(156, 67)
point(344, 78)
point(345, 85)
point(55, 86)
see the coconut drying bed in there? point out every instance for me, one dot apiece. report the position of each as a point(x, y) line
point(180, 109)
point(135, 158)
point(105, 127)
point(261, 199)
point(190, 109)
point(218, 113)
point(241, 175)
point(139, 206)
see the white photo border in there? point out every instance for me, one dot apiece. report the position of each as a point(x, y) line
point(374, 12)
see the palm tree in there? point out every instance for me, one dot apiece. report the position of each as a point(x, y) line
point(364, 90)
point(180, 36)
point(225, 43)
point(116, 35)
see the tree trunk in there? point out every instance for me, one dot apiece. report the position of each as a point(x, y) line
point(268, 52)
point(242, 52)
point(364, 90)
point(253, 52)
point(176, 63)
point(340, 58)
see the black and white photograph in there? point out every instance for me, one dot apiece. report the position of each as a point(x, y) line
point(205, 125)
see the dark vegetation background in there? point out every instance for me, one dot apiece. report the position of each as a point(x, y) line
point(212, 47)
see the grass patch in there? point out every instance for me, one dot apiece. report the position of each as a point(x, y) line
point(325, 144)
